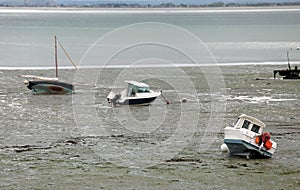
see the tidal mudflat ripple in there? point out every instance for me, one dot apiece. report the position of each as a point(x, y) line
point(43, 148)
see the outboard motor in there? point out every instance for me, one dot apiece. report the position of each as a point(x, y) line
point(115, 99)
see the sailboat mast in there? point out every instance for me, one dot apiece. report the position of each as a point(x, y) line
point(288, 58)
point(55, 48)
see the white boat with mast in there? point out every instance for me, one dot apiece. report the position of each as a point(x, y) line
point(137, 93)
point(45, 85)
point(246, 138)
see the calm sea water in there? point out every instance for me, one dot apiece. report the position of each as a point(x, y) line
point(232, 36)
point(79, 142)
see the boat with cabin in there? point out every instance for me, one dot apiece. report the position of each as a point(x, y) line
point(246, 138)
point(45, 85)
point(136, 93)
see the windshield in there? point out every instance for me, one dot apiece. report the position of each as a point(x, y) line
point(132, 90)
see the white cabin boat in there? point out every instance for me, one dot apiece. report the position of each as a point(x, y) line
point(137, 93)
point(246, 138)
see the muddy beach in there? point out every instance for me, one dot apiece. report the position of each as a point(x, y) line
point(43, 146)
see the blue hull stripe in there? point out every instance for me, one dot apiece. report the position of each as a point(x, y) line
point(138, 101)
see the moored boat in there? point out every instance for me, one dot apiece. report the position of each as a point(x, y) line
point(246, 138)
point(288, 73)
point(45, 85)
point(48, 86)
point(137, 93)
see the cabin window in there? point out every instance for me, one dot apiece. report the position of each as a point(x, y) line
point(131, 90)
point(246, 124)
point(142, 89)
point(255, 128)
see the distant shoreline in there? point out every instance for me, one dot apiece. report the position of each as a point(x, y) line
point(221, 64)
point(158, 9)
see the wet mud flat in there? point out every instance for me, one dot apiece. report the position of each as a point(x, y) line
point(43, 147)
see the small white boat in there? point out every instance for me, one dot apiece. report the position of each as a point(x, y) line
point(137, 93)
point(246, 138)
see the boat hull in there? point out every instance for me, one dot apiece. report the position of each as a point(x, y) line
point(288, 74)
point(138, 101)
point(242, 148)
point(121, 98)
point(50, 87)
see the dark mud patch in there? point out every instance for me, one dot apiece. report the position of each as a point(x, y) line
point(24, 148)
point(185, 160)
